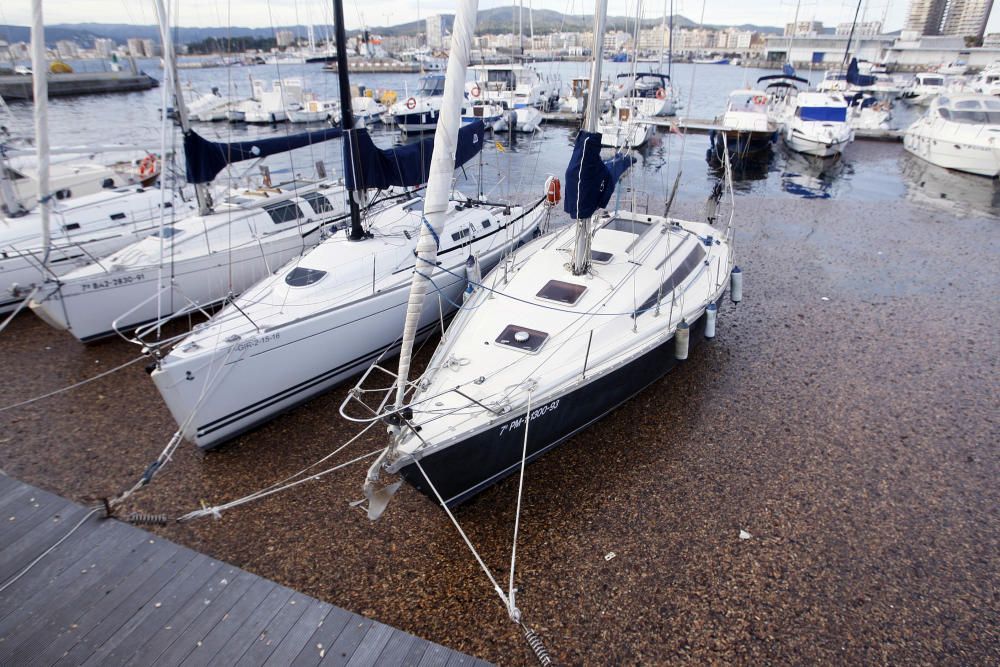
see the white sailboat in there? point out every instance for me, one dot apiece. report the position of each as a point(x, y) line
point(582, 320)
point(327, 315)
point(202, 259)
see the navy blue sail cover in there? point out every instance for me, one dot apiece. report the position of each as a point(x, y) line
point(855, 77)
point(405, 166)
point(205, 159)
point(590, 181)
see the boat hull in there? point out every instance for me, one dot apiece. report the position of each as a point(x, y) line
point(412, 123)
point(966, 157)
point(466, 468)
point(302, 359)
point(742, 143)
point(818, 148)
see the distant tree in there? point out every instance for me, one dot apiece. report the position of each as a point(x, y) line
point(972, 41)
point(231, 45)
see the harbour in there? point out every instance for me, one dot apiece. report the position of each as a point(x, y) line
point(526, 363)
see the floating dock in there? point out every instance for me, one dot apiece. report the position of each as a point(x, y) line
point(112, 594)
point(19, 86)
point(706, 125)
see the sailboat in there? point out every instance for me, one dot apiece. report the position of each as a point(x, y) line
point(580, 321)
point(201, 259)
point(326, 316)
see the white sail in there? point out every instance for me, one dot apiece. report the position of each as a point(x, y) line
point(439, 178)
point(40, 69)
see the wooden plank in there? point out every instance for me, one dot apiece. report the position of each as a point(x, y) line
point(168, 631)
point(271, 636)
point(347, 641)
point(63, 630)
point(370, 646)
point(194, 634)
point(227, 626)
point(133, 634)
point(19, 553)
point(435, 656)
point(74, 553)
point(7, 483)
point(64, 589)
point(416, 653)
point(324, 636)
point(247, 633)
point(128, 598)
point(395, 650)
point(312, 619)
point(11, 496)
point(27, 513)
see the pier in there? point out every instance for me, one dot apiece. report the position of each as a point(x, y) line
point(112, 594)
point(19, 86)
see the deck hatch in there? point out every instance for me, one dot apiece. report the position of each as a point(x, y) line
point(561, 292)
point(300, 276)
point(679, 275)
point(522, 338)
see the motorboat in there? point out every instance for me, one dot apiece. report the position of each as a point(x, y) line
point(524, 119)
point(268, 106)
point(925, 87)
point(623, 128)
point(419, 111)
point(548, 343)
point(818, 124)
point(710, 60)
point(745, 128)
point(489, 114)
point(209, 107)
point(516, 86)
point(313, 111)
point(959, 131)
point(82, 229)
point(987, 82)
point(575, 99)
point(954, 68)
point(649, 93)
point(868, 113)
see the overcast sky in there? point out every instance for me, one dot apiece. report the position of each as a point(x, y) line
point(263, 13)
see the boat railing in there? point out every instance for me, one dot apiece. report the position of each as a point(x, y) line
point(189, 309)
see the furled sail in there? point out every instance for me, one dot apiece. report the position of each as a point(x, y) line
point(367, 166)
point(856, 78)
point(590, 181)
point(205, 159)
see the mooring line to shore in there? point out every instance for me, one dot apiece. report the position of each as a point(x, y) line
point(72, 386)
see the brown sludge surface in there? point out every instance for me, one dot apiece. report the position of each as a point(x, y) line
point(854, 438)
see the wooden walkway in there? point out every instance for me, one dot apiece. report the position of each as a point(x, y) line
point(113, 594)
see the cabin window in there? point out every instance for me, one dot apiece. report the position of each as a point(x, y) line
point(487, 224)
point(944, 113)
point(625, 225)
point(319, 203)
point(501, 78)
point(562, 292)
point(117, 216)
point(301, 276)
point(460, 234)
point(522, 338)
point(286, 212)
point(72, 226)
point(679, 275)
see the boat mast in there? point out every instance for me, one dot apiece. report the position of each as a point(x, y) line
point(346, 113)
point(201, 193)
point(438, 182)
point(670, 45)
point(847, 49)
point(795, 29)
point(663, 29)
point(581, 252)
point(40, 91)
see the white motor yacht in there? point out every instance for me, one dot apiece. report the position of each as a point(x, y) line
point(419, 111)
point(818, 124)
point(925, 87)
point(745, 126)
point(960, 132)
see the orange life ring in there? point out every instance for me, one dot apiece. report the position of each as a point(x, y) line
point(147, 167)
point(411, 103)
point(553, 190)
point(476, 91)
point(759, 99)
point(661, 94)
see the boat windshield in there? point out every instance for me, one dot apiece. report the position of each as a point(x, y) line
point(431, 86)
point(501, 78)
point(748, 101)
point(932, 81)
point(971, 112)
point(823, 114)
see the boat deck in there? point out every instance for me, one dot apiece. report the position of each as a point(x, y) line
point(112, 594)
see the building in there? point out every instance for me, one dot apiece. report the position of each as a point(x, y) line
point(966, 18)
point(863, 28)
point(732, 40)
point(104, 47)
point(435, 32)
point(925, 16)
point(826, 50)
point(695, 40)
point(803, 28)
point(135, 47)
point(992, 41)
point(284, 38)
point(67, 49)
point(151, 48)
